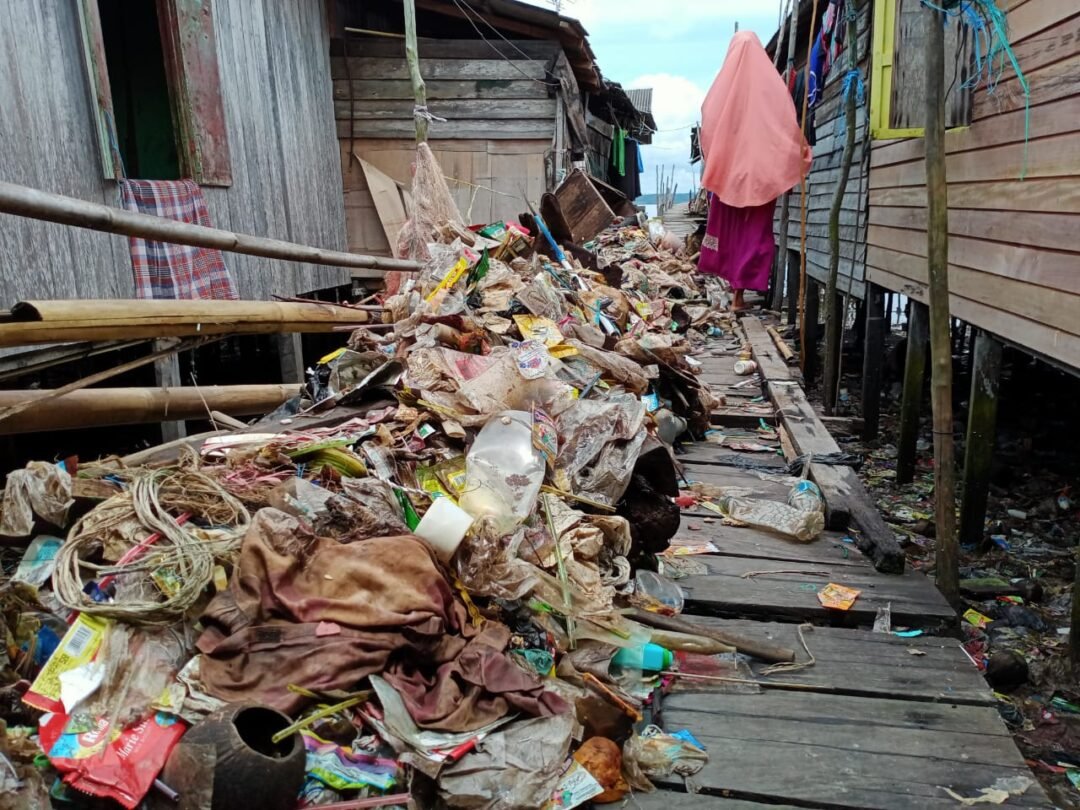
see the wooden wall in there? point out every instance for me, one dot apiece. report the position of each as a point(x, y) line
point(491, 175)
point(275, 71)
point(1013, 249)
point(504, 129)
point(824, 175)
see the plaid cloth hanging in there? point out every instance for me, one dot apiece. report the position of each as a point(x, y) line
point(164, 269)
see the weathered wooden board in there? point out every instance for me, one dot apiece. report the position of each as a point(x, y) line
point(667, 799)
point(379, 67)
point(724, 591)
point(861, 663)
point(736, 541)
point(512, 129)
point(456, 110)
point(820, 750)
point(396, 89)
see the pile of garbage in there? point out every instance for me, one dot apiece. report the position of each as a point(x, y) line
point(431, 578)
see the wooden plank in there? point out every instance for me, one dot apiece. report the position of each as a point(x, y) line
point(770, 363)
point(1060, 194)
point(866, 664)
point(441, 90)
point(1033, 336)
point(908, 71)
point(724, 591)
point(1056, 156)
point(516, 50)
point(669, 799)
point(515, 129)
point(1052, 307)
point(1044, 229)
point(1042, 267)
point(833, 751)
point(461, 109)
point(437, 69)
point(757, 544)
point(388, 203)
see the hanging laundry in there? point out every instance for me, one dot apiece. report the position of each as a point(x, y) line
point(166, 270)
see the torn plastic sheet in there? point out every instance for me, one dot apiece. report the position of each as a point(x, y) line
point(41, 489)
point(511, 767)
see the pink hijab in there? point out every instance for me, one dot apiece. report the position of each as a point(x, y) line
point(753, 147)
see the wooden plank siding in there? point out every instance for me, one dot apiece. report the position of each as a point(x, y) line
point(498, 141)
point(824, 175)
point(1013, 249)
point(274, 62)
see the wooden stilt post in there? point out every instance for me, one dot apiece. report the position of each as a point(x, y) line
point(792, 286)
point(811, 331)
point(834, 315)
point(937, 251)
point(804, 202)
point(290, 350)
point(981, 428)
point(167, 375)
point(873, 360)
point(413, 58)
point(918, 337)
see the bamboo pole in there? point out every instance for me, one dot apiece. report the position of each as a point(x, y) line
point(29, 202)
point(420, 113)
point(93, 379)
point(834, 319)
point(33, 322)
point(937, 235)
point(100, 407)
point(802, 195)
point(785, 199)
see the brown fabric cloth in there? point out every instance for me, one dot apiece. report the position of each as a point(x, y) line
point(319, 614)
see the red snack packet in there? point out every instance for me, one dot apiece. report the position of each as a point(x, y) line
point(116, 765)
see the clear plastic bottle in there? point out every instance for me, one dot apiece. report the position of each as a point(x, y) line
point(503, 471)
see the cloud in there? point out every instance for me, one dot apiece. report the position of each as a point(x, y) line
point(676, 105)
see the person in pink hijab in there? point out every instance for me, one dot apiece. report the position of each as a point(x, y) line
point(754, 151)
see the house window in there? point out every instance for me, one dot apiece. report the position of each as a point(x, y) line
point(898, 81)
point(153, 71)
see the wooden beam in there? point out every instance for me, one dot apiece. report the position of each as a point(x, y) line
point(29, 202)
point(876, 327)
point(918, 340)
point(100, 407)
point(31, 322)
point(167, 376)
point(792, 285)
point(981, 433)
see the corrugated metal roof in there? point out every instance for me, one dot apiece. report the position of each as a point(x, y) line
point(641, 99)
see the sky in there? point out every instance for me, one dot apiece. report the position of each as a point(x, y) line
point(675, 47)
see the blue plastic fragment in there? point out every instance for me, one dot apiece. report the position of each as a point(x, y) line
point(686, 736)
point(907, 633)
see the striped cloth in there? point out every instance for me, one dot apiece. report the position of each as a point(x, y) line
point(166, 270)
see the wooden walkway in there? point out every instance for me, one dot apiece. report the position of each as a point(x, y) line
point(879, 720)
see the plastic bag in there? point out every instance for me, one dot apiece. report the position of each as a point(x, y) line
point(779, 517)
point(654, 754)
point(504, 471)
point(430, 205)
point(41, 489)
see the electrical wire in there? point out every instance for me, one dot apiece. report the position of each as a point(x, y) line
point(462, 6)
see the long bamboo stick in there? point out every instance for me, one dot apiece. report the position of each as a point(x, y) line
point(100, 407)
point(937, 252)
point(100, 376)
point(412, 56)
point(30, 202)
point(802, 193)
point(31, 322)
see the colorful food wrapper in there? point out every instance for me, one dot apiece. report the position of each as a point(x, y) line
point(79, 647)
point(838, 597)
point(973, 617)
point(575, 788)
point(342, 769)
point(536, 328)
point(429, 481)
point(533, 359)
point(545, 436)
point(96, 760)
point(452, 473)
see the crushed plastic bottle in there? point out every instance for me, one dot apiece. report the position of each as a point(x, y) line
point(503, 471)
point(656, 592)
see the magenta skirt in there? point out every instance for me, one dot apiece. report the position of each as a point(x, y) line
point(738, 244)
